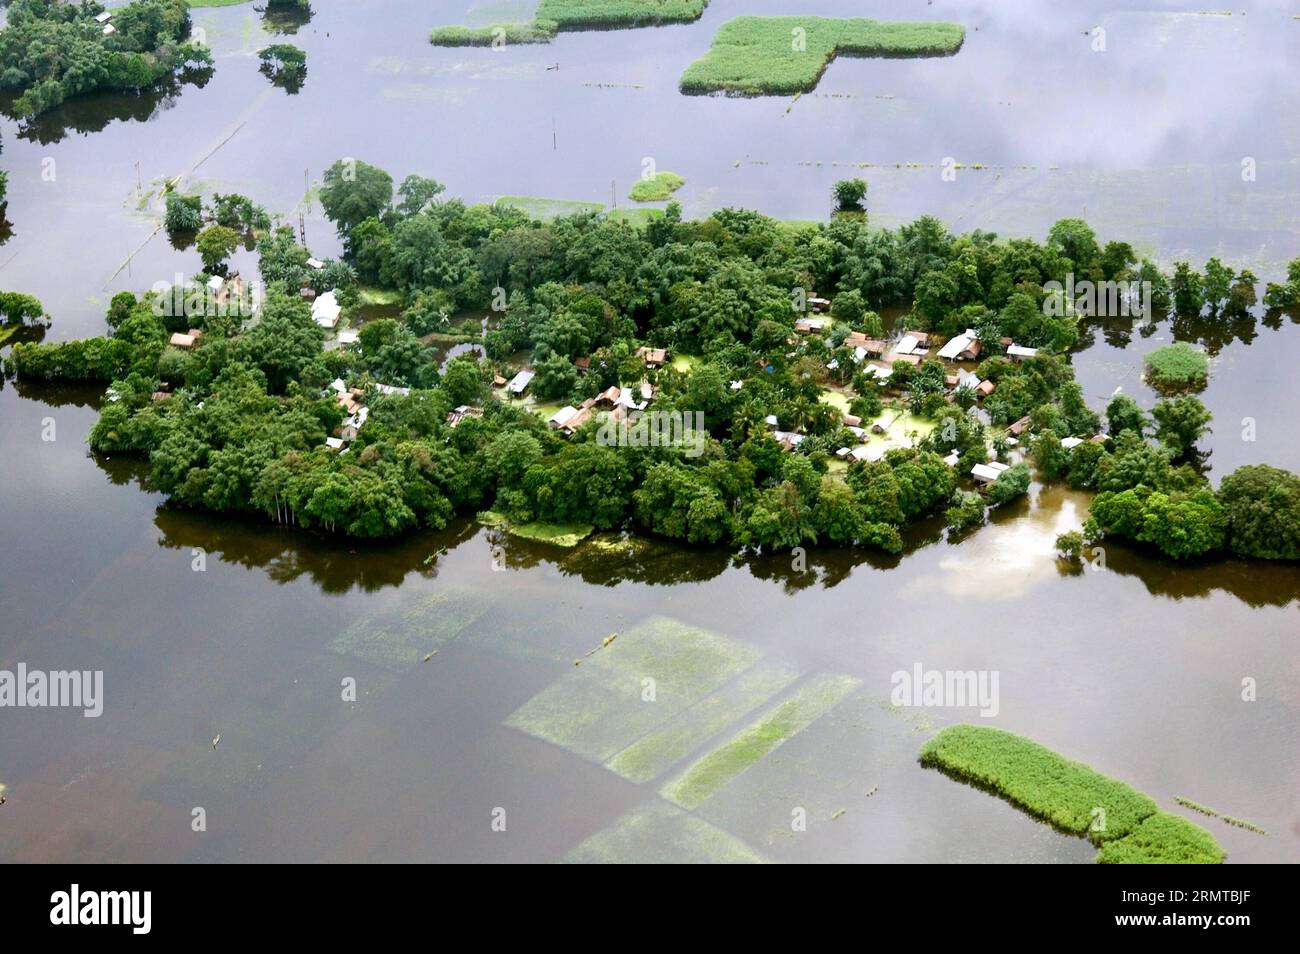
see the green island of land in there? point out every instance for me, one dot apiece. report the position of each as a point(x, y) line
point(655, 188)
point(553, 16)
point(665, 376)
point(768, 56)
point(1126, 825)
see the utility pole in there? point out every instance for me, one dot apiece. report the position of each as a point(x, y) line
point(302, 218)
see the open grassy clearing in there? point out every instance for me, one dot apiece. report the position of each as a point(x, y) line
point(1127, 825)
point(771, 56)
point(555, 15)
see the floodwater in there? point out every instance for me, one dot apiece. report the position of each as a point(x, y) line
point(205, 627)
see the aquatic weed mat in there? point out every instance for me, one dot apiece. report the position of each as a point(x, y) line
point(627, 689)
point(660, 833)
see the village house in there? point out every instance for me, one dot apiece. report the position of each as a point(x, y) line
point(909, 344)
point(1019, 427)
point(183, 340)
point(962, 347)
point(987, 473)
point(653, 357)
point(909, 358)
point(462, 411)
point(326, 309)
point(519, 383)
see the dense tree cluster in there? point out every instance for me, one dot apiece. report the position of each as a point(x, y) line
point(238, 423)
point(51, 51)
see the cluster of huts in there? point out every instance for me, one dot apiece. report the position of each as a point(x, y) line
point(621, 403)
point(352, 402)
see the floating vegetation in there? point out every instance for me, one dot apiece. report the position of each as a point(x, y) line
point(703, 779)
point(655, 188)
point(659, 832)
point(1127, 825)
point(555, 15)
point(768, 56)
point(1227, 819)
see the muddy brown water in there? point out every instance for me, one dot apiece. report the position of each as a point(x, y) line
point(1136, 668)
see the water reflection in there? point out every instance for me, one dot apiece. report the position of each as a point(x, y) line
point(93, 113)
point(1006, 560)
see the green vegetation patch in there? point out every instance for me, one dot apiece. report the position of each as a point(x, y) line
point(704, 778)
point(1070, 795)
point(662, 833)
point(768, 56)
point(1178, 365)
point(602, 707)
point(399, 639)
point(1038, 780)
point(555, 15)
point(656, 187)
point(1163, 839)
point(557, 534)
point(653, 754)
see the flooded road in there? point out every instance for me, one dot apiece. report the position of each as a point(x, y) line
point(205, 627)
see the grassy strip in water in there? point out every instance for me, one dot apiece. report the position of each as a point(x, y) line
point(555, 15)
point(656, 187)
point(1226, 819)
point(703, 779)
point(501, 34)
point(1068, 794)
point(767, 56)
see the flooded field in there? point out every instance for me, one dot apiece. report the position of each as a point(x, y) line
point(493, 717)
